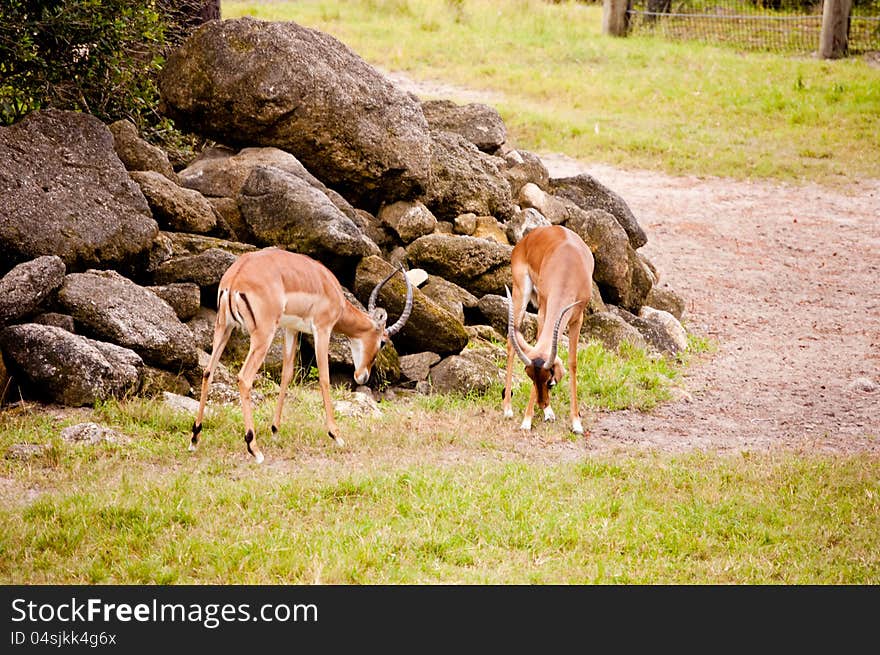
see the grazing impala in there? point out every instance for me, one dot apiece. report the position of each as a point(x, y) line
point(553, 267)
point(269, 288)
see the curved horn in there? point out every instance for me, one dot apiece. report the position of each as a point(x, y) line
point(552, 358)
point(371, 304)
point(511, 331)
point(407, 308)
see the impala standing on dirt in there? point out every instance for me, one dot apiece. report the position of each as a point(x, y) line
point(553, 267)
point(269, 288)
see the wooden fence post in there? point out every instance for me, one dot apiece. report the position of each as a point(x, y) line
point(615, 19)
point(833, 40)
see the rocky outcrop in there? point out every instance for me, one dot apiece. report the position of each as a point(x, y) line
point(321, 155)
point(64, 192)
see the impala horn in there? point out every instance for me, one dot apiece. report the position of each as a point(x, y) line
point(407, 308)
point(511, 331)
point(552, 358)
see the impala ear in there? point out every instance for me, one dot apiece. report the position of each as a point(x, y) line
point(380, 316)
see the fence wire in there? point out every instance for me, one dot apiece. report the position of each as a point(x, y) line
point(784, 26)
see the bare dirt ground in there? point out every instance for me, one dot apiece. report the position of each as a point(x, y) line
point(784, 280)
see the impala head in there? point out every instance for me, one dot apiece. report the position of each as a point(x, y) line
point(544, 373)
point(365, 348)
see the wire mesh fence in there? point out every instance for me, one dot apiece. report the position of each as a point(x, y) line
point(785, 26)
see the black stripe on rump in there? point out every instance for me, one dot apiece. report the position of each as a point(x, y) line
point(247, 303)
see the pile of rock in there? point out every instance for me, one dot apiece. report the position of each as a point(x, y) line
point(111, 257)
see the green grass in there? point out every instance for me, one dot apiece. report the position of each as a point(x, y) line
point(642, 519)
point(639, 102)
point(440, 489)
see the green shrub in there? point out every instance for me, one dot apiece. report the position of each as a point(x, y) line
point(97, 56)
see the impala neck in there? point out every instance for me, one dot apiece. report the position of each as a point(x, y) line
point(353, 321)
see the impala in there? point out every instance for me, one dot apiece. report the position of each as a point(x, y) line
point(269, 288)
point(553, 267)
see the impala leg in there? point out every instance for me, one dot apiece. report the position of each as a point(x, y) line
point(291, 339)
point(322, 349)
point(530, 410)
point(260, 341)
point(574, 332)
point(518, 303)
point(506, 398)
point(221, 338)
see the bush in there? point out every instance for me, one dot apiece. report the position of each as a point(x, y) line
point(97, 56)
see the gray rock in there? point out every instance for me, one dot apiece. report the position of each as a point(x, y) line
point(430, 326)
point(113, 308)
point(27, 285)
point(478, 265)
point(284, 210)
point(136, 153)
point(47, 161)
point(52, 364)
point(204, 269)
point(416, 367)
point(495, 309)
point(523, 222)
point(522, 167)
point(480, 124)
point(588, 193)
point(250, 82)
point(675, 339)
point(63, 321)
point(184, 298)
point(470, 372)
point(665, 298)
point(449, 296)
point(463, 179)
point(220, 172)
point(175, 208)
point(611, 330)
point(409, 220)
point(92, 434)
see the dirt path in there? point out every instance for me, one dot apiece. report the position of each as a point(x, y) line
point(786, 281)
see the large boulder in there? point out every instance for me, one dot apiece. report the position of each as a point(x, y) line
point(588, 193)
point(63, 191)
point(27, 285)
point(471, 372)
point(246, 82)
point(463, 179)
point(52, 364)
point(286, 211)
point(115, 309)
point(479, 265)
point(430, 326)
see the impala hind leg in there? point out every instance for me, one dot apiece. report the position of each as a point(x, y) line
point(221, 338)
point(291, 340)
point(256, 354)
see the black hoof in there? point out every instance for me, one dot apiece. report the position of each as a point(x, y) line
point(274, 429)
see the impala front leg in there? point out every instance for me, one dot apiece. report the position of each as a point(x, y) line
point(574, 331)
point(322, 349)
point(291, 340)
